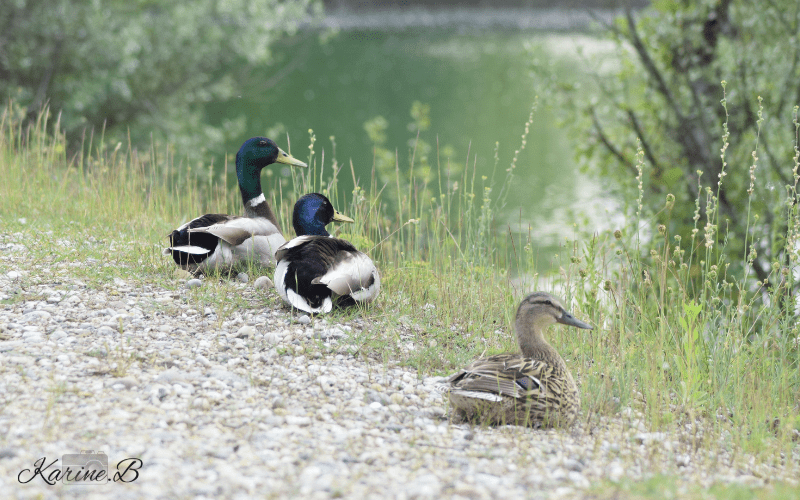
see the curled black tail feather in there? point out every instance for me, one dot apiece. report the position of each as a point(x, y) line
point(182, 237)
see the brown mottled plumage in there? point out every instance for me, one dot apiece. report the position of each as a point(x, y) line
point(532, 388)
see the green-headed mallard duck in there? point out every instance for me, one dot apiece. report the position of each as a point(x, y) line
point(532, 388)
point(315, 269)
point(219, 241)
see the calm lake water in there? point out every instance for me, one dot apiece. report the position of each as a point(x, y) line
point(476, 79)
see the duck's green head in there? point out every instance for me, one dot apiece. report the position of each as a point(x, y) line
point(255, 154)
point(312, 213)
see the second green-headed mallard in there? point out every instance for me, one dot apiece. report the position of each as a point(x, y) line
point(315, 269)
point(533, 387)
point(219, 241)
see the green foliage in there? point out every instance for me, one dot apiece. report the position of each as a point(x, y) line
point(419, 153)
point(141, 64)
point(666, 98)
point(690, 360)
point(692, 127)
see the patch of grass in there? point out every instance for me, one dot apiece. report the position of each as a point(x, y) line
point(670, 487)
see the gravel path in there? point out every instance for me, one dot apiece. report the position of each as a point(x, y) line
point(271, 404)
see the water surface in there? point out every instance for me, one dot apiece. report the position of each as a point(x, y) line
point(476, 81)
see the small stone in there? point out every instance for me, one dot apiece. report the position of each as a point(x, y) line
point(20, 360)
point(105, 330)
point(425, 486)
point(304, 319)
point(331, 333)
point(31, 332)
point(615, 471)
point(193, 283)
point(263, 283)
point(299, 421)
point(374, 396)
point(578, 479)
point(201, 403)
point(242, 278)
point(128, 382)
point(35, 315)
point(327, 383)
point(245, 331)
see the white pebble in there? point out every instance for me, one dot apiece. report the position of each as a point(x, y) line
point(193, 283)
point(201, 403)
point(299, 421)
point(263, 283)
point(242, 277)
point(245, 331)
point(304, 319)
point(34, 315)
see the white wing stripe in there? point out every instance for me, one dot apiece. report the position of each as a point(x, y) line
point(192, 249)
point(488, 396)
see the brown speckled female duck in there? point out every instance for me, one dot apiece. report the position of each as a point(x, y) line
point(532, 388)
